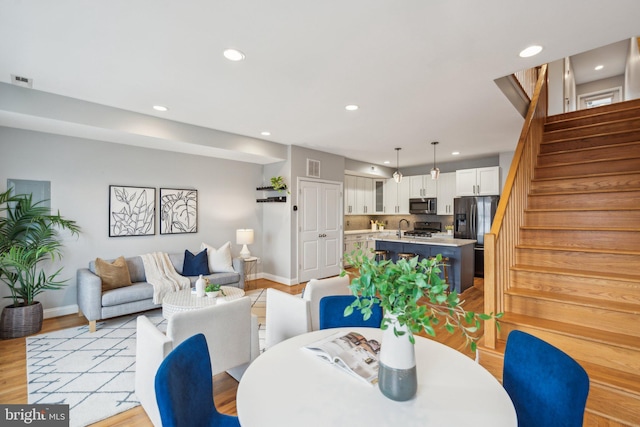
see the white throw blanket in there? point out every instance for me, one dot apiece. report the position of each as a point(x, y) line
point(162, 275)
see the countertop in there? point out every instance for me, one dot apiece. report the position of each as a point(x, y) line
point(436, 241)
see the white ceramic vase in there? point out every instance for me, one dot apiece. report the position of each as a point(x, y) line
point(397, 375)
point(200, 285)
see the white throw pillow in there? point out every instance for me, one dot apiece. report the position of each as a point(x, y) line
point(219, 259)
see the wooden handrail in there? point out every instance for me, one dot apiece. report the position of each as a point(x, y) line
point(500, 243)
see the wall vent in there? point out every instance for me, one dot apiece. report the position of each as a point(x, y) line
point(21, 81)
point(313, 168)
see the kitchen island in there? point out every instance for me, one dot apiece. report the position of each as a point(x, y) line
point(459, 251)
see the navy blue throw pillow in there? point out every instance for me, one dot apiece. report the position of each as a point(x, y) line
point(195, 265)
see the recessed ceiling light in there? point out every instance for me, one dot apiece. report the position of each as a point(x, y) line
point(351, 107)
point(531, 51)
point(455, 153)
point(233, 55)
point(265, 133)
point(160, 108)
point(599, 67)
point(386, 162)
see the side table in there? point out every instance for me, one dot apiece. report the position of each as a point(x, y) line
point(250, 268)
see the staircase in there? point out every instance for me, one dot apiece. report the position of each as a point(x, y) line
point(575, 278)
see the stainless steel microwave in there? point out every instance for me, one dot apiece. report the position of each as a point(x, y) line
point(423, 206)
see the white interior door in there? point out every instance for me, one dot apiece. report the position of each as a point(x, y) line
point(320, 229)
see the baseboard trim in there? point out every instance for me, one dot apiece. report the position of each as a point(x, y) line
point(60, 311)
point(278, 279)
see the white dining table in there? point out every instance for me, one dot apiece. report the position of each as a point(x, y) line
point(289, 386)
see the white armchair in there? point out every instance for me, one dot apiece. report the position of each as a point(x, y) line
point(291, 315)
point(232, 337)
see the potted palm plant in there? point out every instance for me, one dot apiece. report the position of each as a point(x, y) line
point(414, 299)
point(28, 237)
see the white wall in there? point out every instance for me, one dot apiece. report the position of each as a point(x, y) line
point(555, 75)
point(632, 72)
point(80, 172)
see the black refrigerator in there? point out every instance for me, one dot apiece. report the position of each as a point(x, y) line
point(472, 220)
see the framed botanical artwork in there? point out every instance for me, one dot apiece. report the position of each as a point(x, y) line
point(132, 211)
point(178, 211)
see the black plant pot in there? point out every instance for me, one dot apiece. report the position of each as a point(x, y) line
point(20, 321)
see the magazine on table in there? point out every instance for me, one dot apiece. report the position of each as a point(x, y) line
point(350, 352)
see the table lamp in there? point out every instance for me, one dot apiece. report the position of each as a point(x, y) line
point(244, 236)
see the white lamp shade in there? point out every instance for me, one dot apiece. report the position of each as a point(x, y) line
point(244, 237)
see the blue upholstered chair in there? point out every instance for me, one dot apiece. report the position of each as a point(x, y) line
point(332, 313)
point(184, 390)
point(548, 388)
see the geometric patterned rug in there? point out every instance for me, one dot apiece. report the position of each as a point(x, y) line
point(94, 372)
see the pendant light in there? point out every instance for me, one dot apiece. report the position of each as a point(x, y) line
point(397, 176)
point(435, 172)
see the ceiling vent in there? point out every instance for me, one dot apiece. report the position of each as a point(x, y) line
point(313, 168)
point(21, 81)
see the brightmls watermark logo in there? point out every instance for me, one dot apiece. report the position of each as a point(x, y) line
point(34, 415)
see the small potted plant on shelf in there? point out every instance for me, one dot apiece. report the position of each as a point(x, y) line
point(414, 299)
point(449, 229)
point(278, 184)
point(213, 289)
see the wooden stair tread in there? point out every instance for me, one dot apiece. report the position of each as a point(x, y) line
point(579, 273)
point(595, 125)
point(592, 136)
point(555, 228)
point(608, 377)
point(594, 191)
point(605, 110)
point(587, 250)
point(595, 175)
point(598, 374)
point(587, 149)
point(624, 307)
point(586, 162)
point(576, 331)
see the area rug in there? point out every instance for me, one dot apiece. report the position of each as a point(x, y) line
point(94, 372)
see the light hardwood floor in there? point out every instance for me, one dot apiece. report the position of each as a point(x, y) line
point(13, 375)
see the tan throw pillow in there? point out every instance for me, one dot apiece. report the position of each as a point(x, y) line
point(114, 275)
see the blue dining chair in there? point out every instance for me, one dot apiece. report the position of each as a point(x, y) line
point(548, 388)
point(332, 313)
point(184, 389)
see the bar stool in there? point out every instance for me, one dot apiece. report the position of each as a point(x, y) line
point(380, 254)
point(406, 255)
point(445, 262)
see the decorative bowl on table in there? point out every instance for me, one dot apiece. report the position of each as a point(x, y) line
point(213, 294)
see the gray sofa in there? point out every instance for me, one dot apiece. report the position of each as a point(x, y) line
point(96, 305)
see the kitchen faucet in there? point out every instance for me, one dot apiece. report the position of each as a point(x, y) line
point(400, 227)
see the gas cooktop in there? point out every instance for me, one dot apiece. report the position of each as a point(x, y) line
point(424, 229)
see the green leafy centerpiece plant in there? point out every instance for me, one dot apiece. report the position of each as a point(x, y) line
point(29, 236)
point(414, 299)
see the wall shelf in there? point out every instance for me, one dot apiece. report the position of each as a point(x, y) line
point(271, 199)
point(276, 199)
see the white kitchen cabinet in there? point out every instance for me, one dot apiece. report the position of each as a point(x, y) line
point(446, 193)
point(478, 182)
point(396, 197)
point(421, 186)
point(358, 195)
point(364, 195)
point(353, 242)
point(350, 189)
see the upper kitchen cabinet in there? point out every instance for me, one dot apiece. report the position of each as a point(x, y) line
point(378, 195)
point(396, 197)
point(446, 185)
point(421, 186)
point(358, 195)
point(478, 182)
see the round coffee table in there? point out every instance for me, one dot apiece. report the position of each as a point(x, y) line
point(185, 300)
